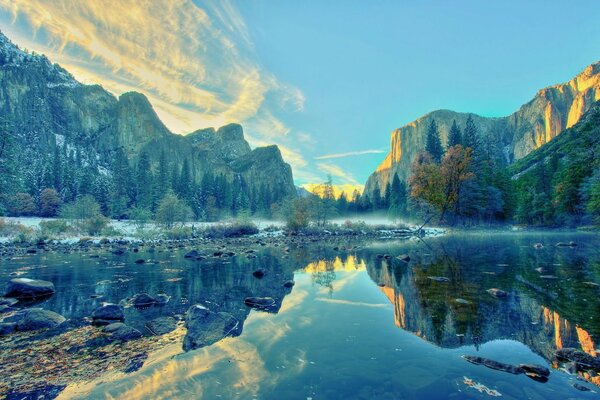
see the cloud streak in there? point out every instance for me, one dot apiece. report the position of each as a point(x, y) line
point(195, 63)
point(349, 154)
point(337, 172)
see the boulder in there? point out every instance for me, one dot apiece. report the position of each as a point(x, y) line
point(24, 288)
point(162, 299)
point(32, 319)
point(108, 314)
point(404, 257)
point(120, 331)
point(288, 284)
point(143, 300)
point(205, 327)
point(162, 325)
point(259, 273)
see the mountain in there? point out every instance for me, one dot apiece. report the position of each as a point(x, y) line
point(48, 111)
point(536, 123)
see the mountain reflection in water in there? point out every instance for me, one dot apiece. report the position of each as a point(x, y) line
point(335, 333)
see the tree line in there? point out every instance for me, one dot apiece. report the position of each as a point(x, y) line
point(37, 184)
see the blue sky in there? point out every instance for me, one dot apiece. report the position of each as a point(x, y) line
point(326, 80)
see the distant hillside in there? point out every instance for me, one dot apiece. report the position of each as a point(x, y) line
point(536, 123)
point(68, 136)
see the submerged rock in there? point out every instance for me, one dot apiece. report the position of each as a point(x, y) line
point(494, 364)
point(120, 331)
point(205, 327)
point(24, 288)
point(108, 314)
point(162, 299)
point(162, 325)
point(439, 278)
point(497, 292)
point(581, 387)
point(288, 284)
point(259, 273)
point(143, 300)
point(32, 319)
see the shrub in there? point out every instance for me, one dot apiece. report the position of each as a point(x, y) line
point(235, 229)
point(50, 203)
point(171, 211)
point(22, 204)
point(298, 214)
point(54, 227)
point(94, 225)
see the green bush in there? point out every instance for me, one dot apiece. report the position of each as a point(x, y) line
point(54, 227)
point(236, 229)
point(94, 225)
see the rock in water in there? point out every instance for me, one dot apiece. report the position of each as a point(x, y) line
point(32, 319)
point(108, 314)
point(24, 288)
point(288, 284)
point(162, 325)
point(497, 293)
point(120, 331)
point(205, 327)
point(259, 273)
point(582, 359)
point(441, 279)
point(403, 257)
point(494, 364)
point(162, 299)
point(191, 254)
point(143, 300)
point(536, 369)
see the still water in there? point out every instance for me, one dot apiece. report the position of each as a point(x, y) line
point(355, 325)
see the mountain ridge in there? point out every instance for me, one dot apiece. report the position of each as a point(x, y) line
point(47, 108)
point(546, 115)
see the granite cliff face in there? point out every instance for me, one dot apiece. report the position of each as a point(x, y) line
point(536, 123)
point(45, 107)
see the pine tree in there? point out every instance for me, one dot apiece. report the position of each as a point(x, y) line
point(144, 180)
point(455, 135)
point(471, 136)
point(161, 184)
point(433, 145)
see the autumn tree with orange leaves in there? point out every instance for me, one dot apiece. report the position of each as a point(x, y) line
point(439, 185)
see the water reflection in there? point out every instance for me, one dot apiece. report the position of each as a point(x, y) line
point(335, 333)
point(552, 302)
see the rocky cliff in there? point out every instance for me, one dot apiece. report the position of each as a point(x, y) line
point(537, 122)
point(45, 107)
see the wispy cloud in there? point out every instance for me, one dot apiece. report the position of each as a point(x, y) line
point(349, 154)
point(194, 62)
point(337, 172)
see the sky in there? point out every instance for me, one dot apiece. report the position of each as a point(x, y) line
point(327, 81)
